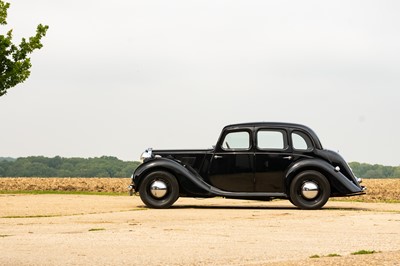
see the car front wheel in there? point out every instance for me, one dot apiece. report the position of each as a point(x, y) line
point(159, 190)
point(310, 190)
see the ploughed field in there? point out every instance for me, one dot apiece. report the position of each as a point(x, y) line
point(65, 184)
point(379, 190)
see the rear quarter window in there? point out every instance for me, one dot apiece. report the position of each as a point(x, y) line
point(301, 141)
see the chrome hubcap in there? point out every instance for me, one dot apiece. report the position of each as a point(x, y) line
point(158, 189)
point(309, 190)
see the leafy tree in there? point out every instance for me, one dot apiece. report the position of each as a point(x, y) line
point(396, 172)
point(14, 61)
point(55, 162)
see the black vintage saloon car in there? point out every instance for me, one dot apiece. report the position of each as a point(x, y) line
point(260, 161)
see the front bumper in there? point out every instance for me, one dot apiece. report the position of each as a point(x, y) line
point(131, 187)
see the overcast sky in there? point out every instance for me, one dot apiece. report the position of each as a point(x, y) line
point(116, 77)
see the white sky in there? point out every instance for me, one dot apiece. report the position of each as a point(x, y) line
point(116, 77)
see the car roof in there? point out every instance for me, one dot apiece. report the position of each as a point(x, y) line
point(277, 125)
point(268, 124)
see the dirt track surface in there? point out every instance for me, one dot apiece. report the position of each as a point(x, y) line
point(119, 230)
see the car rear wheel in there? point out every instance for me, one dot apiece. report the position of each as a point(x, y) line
point(159, 190)
point(310, 190)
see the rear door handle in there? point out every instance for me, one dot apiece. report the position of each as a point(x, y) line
point(217, 156)
point(288, 158)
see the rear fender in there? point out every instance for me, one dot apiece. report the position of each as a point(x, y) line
point(338, 181)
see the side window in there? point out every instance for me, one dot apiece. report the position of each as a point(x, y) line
point(271, 140)
point(236, 140)
point(301, 141)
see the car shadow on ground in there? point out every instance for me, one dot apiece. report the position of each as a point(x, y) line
point(231, 207)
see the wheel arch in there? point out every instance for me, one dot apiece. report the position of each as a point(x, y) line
point(340, 184)
point(180, 172)
point(148, 170)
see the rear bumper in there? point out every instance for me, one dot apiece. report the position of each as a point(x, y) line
point(358, 193)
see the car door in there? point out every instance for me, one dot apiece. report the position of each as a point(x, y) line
point(232, 165)
point(273, 156)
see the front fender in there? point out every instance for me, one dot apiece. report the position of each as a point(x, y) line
point(341, 184)
point(181, 172)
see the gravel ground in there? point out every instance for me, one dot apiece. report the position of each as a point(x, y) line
point(116, 230)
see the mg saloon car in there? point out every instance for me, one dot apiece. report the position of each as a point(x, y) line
point(254, 161)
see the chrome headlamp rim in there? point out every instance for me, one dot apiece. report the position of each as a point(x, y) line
point(147, 154)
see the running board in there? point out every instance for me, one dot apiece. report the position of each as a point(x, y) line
point(218, 192)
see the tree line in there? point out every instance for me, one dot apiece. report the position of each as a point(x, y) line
point(40, 166)
point(365, 170)
point(108, 166)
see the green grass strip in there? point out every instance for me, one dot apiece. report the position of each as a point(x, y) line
point(364, 252)
point(366, 200)
point(30, 216)
point(42, 192)
point(333, 255)
point(96, 229)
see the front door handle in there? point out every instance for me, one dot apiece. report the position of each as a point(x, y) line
point(288, 158)
point(217, 156)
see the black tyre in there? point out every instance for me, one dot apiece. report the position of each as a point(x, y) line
point(159, 190)
point(291, 201)
point(309, 190)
